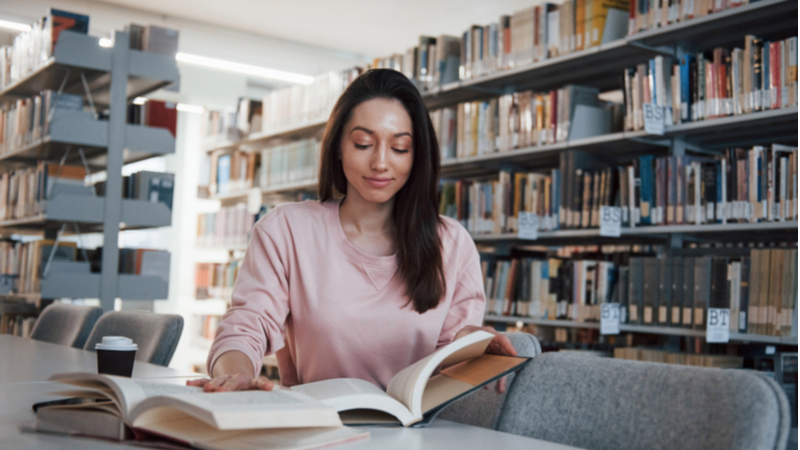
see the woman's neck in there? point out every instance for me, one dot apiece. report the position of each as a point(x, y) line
point(366, 219)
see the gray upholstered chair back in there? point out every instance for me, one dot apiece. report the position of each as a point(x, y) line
point(156, 335)
point(605, 403)
point(65, 324)
point(482, 407)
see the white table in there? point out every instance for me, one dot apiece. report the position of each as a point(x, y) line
point(22, 383)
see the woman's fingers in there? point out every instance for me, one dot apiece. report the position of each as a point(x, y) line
point(263, 383)
point(200, 382)
point(216, 383)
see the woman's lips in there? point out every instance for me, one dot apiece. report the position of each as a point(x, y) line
point(379, 182)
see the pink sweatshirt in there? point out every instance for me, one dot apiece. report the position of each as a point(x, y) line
point(339, 312)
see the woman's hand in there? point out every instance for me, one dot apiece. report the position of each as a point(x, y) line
point(235, 382)
point(500, 345)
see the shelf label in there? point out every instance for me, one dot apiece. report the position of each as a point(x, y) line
point(718, 325)
point(609, 318)
point(527, 225)
point(653, 119)
point(610, 221)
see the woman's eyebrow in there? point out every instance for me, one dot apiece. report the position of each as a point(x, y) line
point(368, 131)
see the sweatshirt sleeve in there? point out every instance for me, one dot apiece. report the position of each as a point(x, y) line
point(256, 322)
point(469, 299)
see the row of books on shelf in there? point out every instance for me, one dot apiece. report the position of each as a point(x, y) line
point(683, 359)
point(238, 170)
point(33, 48)
point(27, 263)
point(17, 324)
point(24, 192)
point(762, 76)
point(279, 110)
point(230, 226)
point(538, 33)
point(524, 119)
point(759, 289)
point(648, 15)
point(215, 280)
point(27, 120)
point(740, 186)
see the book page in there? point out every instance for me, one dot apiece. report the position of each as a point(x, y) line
point(346, 394)
point(245, 409)
point(408, 385)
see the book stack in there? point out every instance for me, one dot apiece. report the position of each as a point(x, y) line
point(25, 262)
point(648, 15)
point(24, 192)
point(305, 104)
point(231, 226)
point(684, 359)
point(152, 38)
point(760, 77)
point(132, 261)
point(32, 49)
point(760, 289)
point(493, 207)
point(214, 280)
point(294, 162)
point(26, 121)
point(234, 171)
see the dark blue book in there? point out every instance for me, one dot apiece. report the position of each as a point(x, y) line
point(646, 189)
point(686, 87)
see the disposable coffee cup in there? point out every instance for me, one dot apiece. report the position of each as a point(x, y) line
point(115, 356)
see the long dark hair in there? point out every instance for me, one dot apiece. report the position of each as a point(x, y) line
point(415, 215)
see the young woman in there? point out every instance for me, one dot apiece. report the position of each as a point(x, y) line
point(360, 286)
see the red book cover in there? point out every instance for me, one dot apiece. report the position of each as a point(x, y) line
point(775, 74)
point(161, 115)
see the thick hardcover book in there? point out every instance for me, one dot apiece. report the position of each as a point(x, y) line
point(622, 293)
point(646, 189)
point(702, 291)
point(650, 294)
point(744, 297)
point(676, 308)
point(664, 290)
point(635, 290)
point(688, 292)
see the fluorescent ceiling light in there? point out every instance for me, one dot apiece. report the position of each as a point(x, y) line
point(106, 42)
point(190, 108)
point(244, 68)
point(139, 101)
point(15, 26)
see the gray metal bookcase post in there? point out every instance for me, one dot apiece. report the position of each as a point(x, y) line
point(116, 145)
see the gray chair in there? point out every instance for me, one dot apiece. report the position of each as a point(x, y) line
point(65, 324)
point(482, 407)
point(606, 403)
point(157, 335)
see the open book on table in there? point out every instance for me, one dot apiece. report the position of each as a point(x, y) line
point(113, 407)
point(415, 395)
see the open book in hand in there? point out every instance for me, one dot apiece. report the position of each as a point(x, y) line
point(115, 406)
point(415, 395)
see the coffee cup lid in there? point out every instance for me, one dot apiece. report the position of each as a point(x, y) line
point(116, 343)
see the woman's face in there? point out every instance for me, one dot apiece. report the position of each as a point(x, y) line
point(376, 150)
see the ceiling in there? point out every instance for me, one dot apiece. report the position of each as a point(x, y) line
point(372, 28)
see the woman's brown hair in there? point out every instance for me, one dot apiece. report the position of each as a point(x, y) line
point(415, 215)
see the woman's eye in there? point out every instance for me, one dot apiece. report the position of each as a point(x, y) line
point(361, 147)
point(400, 150)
